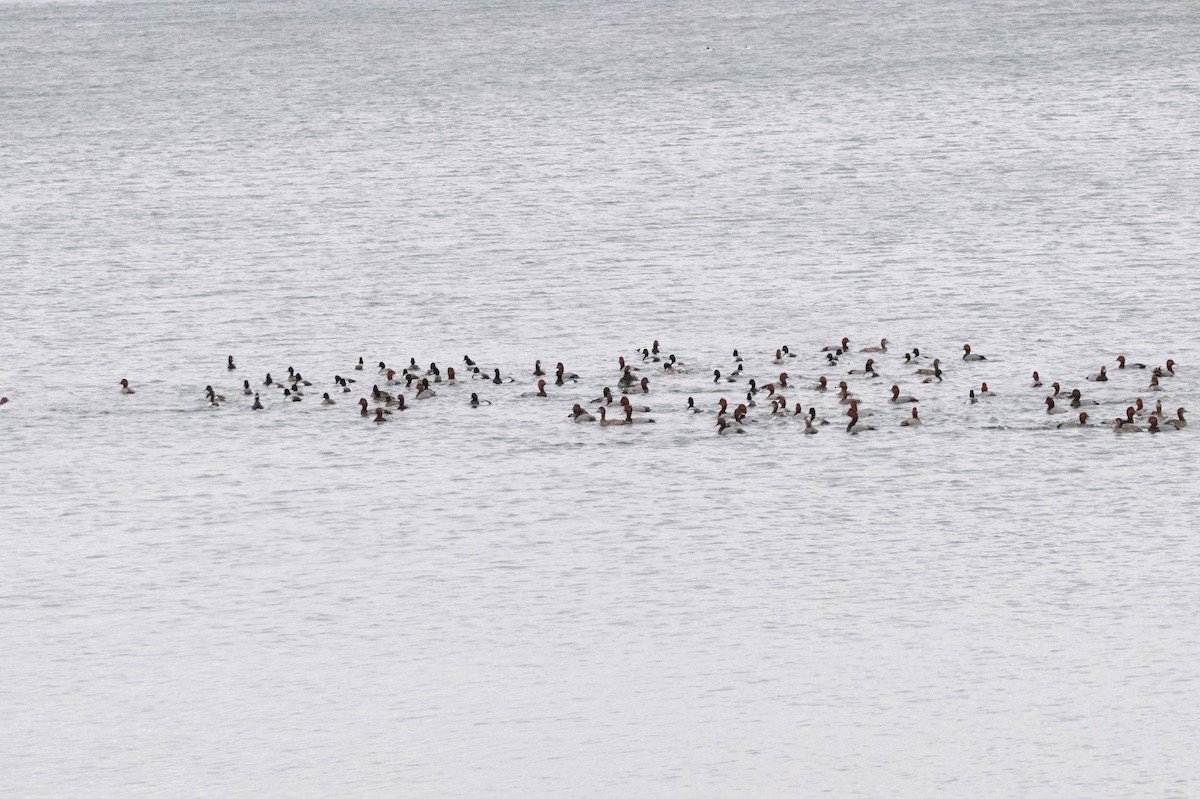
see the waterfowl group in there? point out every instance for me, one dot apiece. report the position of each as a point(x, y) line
point(857, 395)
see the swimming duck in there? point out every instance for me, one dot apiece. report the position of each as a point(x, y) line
point(230, 365)
point(382, 368)
point(970, 356)
point(881, 348)
point(125, 389)
point(931, 370)
point(971, 398)
point(1050, 406)
point(1077, 399)
point(213, 397)
point(498, 380)
point(326, 400)
point(821, 384)
point(1124, 426)
point(362, 403)
point(541, 392)
point(736, 358)
point(1154, 386)
point(606, 398)
point(624, 367)
point(606, 422)
point(898, 398)
point(627, 379)
point(812, 415)
point(691, 406)
point(1121, 364)
point(257, 406)
point(1165, 371)
point(392, 381)
point(1059, 391)
point(578, 414)
point(718, 378)
point(844, 395)
point(379, 417)
point(831, 360)
point(915, 421)
point(839, 348)
point(467, 360)
point(1080, 422)
point(1099, 377)
point(984, 391)
point(787, 353)
point(725, 429)
point(246, 388)
point(289, 396)
point(358, 367)
point(629, 418)
point(381, 396)
point(783, 380)
point(1154, 428)
point(269, 381)
point(641, 387)
point(854, 427)
point(671, 368)
point(561, 377)
point(537, 369)
point(867, 371)
point(451, 380)
point(1180, 422)
point(425, 392)
point(778, 357)
point(476, 401)
point(1037, 381)
point(809, 430)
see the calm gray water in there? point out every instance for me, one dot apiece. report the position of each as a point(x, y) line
point(497, 602)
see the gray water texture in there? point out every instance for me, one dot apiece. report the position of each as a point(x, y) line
point(496, 601)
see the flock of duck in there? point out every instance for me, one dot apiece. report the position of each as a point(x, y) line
point(758, 398)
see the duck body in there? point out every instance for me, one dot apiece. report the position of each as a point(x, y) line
point(971, 356)
point(726, 429)
point(606, 422)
